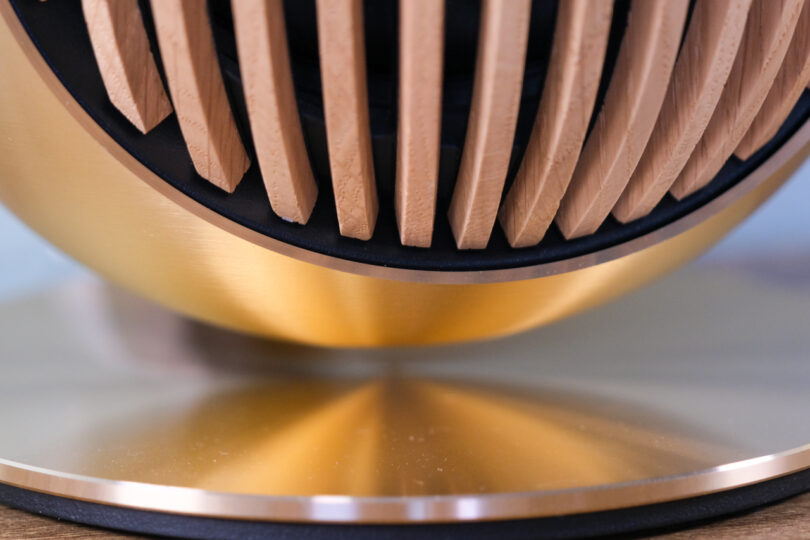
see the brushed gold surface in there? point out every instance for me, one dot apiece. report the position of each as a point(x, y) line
point(71, 183)
point(644, 401)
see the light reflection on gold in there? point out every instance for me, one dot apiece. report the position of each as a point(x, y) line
point(333, 445)
point(393, 435)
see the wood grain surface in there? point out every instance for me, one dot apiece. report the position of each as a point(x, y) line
point(421, 47)
point(632, 103)
point(768, 33)
point(261, 40)
point(790, 82)
point(345, 101)
point(788, 519)
point(577, 57)
point(125, 61)
point(493, 116)
point(704, 64)
point(198, 93)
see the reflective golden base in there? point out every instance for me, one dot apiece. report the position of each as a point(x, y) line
point(693, 386)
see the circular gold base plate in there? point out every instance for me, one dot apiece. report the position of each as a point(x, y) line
point(693, 386)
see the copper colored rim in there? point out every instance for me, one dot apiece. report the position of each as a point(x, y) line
point(416, 509)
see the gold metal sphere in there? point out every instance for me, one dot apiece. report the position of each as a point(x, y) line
point(72, 183)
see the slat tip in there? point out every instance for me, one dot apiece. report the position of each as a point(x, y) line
point(517, 238)
point(625, 213)
point(578, 230)
point(744, 152)
point(415, 240)
point(145, 126)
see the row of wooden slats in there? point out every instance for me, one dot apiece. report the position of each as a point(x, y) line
point(680, 101)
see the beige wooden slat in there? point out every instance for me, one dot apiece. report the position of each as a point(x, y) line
point(198, 93)
point(634, 98)
point(704, 64)
point(264, 63)
point(491, 125)
point(421, 35)
point(126, 64)
point(348, 136)
point(768, 33)
point(565, 110)
point(790, 82)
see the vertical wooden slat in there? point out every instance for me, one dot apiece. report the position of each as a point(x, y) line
point(704, 63)
point(126, 64)
point(348, 136)
point(790, 82)
point(637, 90)
point(195, 82)
point(767, 35)
point(565, 110)
point(267, 83)
point(491, 125)
point(421, 34)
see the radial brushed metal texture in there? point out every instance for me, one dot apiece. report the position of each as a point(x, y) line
point(651, 399)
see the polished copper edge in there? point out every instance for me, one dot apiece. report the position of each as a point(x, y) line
point(413, 509)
